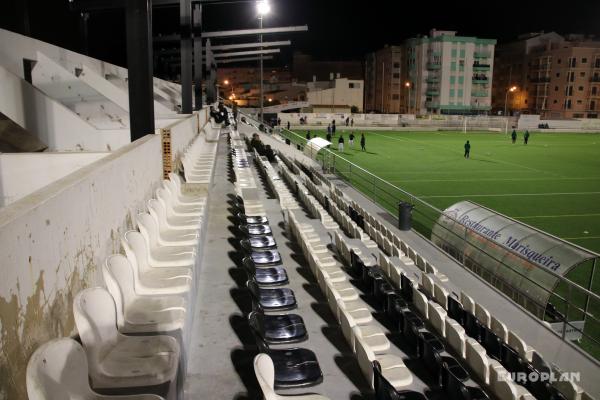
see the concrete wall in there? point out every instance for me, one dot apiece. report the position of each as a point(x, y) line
point(52, 122)
point(14, 48)
point(397, 120)
point(24, 173)
point(53, 243)
point(532, 121)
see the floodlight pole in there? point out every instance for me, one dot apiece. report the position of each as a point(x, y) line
point(260, 21)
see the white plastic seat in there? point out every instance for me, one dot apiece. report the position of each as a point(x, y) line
point(420, 302)
point(165, 223)
point(185, 241)
point(520, 346)
point(333, 276)
point(467, 302)
point(396, 274)
point(175, 185)
point(58, 370)
point(265, 375)
point(116, 360)
point(502, 385)
point(173, 265)
point(569, 389)
point(455, 336)
point(392, 367)
point(437, 318)
point(166, 256)
point(357, 309)
point(372, 335)
point(346, 291)
point(477, 359)
point(427, 284)
point(152, 281)
point(499, 328)
point(482, 315)
point(137, 313)
point(175, 208)
point(441, 295)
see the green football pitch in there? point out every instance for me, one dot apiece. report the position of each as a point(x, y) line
point(552, 183)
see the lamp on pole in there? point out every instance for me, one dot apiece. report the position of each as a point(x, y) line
point(263, 8)
point(407, 84)
point(510, 90)
point(226, 82)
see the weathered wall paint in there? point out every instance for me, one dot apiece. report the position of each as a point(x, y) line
point(53, 243)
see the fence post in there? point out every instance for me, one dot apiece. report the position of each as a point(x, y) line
point(564, 330)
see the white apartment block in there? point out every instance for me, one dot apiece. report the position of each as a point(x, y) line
point(338, 93)
point(449, 74)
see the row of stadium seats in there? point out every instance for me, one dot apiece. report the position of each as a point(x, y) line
point(386, 372)
point(392, 247)
point(274, 367)
point(134, 332)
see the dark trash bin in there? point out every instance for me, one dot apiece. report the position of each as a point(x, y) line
point(405, 216)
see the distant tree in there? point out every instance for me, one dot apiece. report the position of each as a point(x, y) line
point(354, 110)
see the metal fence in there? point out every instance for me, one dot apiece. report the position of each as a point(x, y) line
point(571, 301)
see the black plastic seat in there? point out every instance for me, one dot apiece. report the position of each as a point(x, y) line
point(406, 288)
point(412, 325)
point(252, 219)
point(266, 276)
point(356, 264)
point(278, 329)
point(456, 310)
point(451, 368)
point(255, 230)
point(369, 276)
point(382, 290)
point(294, 367)
point(385, 391)
point(258, 243)
point(272, 299)
point(491, 343)
point(472, 326)
point(429, 348)
point(395, 308)
point(457, 390)
point(265, 258)
point(511, 360)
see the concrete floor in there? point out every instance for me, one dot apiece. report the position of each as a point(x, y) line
point(222, 351)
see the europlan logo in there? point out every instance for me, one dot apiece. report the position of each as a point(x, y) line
point(550, 377)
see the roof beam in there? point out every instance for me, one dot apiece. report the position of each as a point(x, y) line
point(251, 45)
point(263, 31)
point(245, 53)
point(243, 59)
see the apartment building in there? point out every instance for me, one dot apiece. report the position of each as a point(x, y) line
point(560, 76)
point(341, 93)
point(449, 74)
point(383, 81)
point(512, 64)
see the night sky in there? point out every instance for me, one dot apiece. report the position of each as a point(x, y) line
point(338, 30)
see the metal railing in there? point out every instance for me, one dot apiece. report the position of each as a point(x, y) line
point(570, 300)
